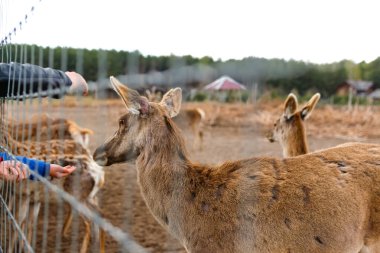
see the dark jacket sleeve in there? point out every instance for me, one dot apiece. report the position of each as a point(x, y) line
point(41, 167)
point(26, 80)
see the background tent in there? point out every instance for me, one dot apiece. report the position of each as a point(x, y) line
point(225, 83)
point(226, 89)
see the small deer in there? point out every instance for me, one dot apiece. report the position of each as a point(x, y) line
point(188, 118)
point(192, 118)
point(324, 201)
point(290, 129)
point(84, 183)
point(43, 127)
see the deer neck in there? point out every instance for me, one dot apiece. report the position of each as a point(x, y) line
point(296, 143)
point(162, 167)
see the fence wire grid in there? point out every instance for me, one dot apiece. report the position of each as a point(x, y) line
point(28, 207)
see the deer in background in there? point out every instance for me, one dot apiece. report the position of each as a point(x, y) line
point(188, 118)
point(324, 201)
point(193, 119)
point(83, 184)
point(290, 129)
point(43, 127)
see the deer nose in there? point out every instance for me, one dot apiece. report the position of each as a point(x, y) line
point(100, 156)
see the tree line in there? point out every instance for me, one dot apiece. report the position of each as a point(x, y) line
point(279, 74)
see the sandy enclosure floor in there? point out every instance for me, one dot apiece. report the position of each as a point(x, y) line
point(120, 199)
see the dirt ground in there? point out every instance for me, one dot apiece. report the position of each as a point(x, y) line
point(232, 132)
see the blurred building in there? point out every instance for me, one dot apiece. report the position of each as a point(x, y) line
point(358, 88)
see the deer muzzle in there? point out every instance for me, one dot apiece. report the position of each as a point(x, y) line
point(100, 156)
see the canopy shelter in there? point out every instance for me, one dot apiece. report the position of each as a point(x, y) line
point(225, 89)
point(225, 83)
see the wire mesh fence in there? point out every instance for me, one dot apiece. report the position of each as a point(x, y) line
point(44, 124)
point(44, 214)
point(83, 212)
point(28, 207)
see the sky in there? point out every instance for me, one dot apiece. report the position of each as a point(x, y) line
point(317, 31)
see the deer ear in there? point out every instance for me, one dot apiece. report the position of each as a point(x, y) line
point(131, 98)
point(309, 107)
point(172, 101)
point(291, 105)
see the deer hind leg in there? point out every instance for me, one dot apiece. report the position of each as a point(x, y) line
point(67, 223)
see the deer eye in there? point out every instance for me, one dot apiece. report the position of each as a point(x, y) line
point(121, 122)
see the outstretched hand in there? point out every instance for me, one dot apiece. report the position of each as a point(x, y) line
point(79, 85)
point(13, 171)
point(57, 171)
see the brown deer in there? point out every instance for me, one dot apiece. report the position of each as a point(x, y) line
point(193, 119)
point(42, 127)
point(325, 201)
point(290, 129)
point(84, 183)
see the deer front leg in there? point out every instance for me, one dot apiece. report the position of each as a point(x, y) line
point(87, 234)
point(99, 233)
point(67, 224)
point(102, 242)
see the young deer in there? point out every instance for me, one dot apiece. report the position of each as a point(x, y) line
point(325, 201)
point(84, 183)
point(193, 119)
point(290, 129)
point(43, 127)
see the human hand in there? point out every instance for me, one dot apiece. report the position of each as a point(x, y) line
point(79, 85)
point(13, 171)
point(57, 171)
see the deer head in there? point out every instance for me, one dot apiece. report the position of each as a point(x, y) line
point(142, 122)
point(289, 129)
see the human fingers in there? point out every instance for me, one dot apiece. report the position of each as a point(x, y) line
point(70, 168)
point(58, 171)
point(8, 171)
point(19, 170)
point(67, 170)
point(79, 84)
point(23, 170)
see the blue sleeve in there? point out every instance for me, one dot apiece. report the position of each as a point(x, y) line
point(41, 167)
point(25, 80)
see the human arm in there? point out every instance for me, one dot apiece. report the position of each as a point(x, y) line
point(25, 80)
point(46, 169)
point(40, 167)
